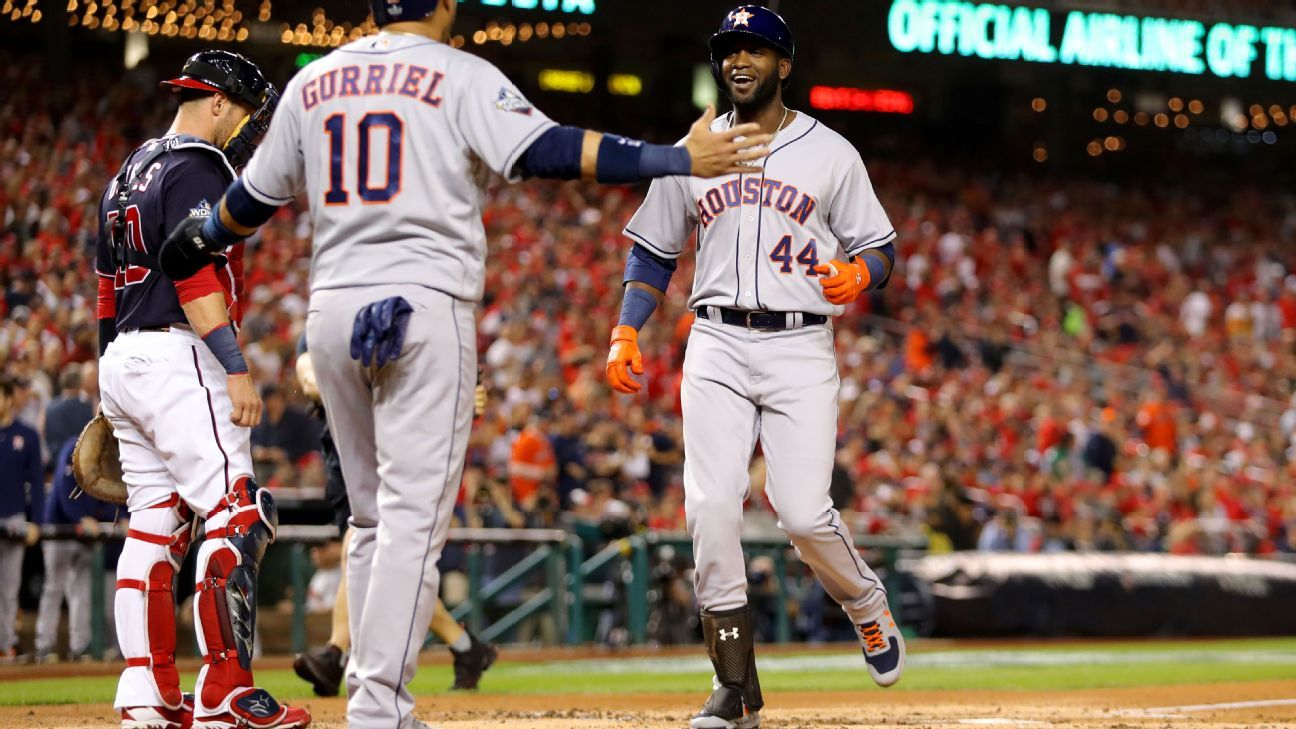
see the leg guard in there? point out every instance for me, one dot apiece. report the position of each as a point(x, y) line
point(156, 544)
point(238, 531)
point(729, 643)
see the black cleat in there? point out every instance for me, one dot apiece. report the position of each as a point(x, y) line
point(472, 663)
point(323, 668)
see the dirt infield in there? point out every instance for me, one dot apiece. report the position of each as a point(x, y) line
point(1115, 708)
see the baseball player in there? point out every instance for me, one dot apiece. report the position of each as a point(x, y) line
point(392, 137)
point(780, 251)
point(22, 485)
point(176, 390)
point(325, 666)
point(67, 561)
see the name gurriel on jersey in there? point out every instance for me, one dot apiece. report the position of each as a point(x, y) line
point(379, 79)
point(786, 199)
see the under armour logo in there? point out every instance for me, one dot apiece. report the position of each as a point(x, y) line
point(726, 635)
point(259, 706)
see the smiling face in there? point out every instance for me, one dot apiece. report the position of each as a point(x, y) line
point(752, 72)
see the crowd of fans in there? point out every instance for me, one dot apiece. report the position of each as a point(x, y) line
point(1057, 363)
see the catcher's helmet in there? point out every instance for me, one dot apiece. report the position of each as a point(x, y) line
point(226, 72)
point(391, 11)
point(752, 21)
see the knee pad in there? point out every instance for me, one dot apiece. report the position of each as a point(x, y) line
point(157, 540)
point(238, 531)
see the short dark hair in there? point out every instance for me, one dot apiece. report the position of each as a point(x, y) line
point(188, 95)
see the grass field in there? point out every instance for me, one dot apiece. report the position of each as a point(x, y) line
point(1033, 668)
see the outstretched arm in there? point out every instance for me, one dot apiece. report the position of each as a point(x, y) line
point(566, 153)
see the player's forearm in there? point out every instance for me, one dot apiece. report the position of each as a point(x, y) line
point(239, 215)
point(565, 153)
point(209, 319)
point(880, 262)
point(206, 313)
point(646, 277)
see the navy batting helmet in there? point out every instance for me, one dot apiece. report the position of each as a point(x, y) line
point(752, 21)
point(226, 72)
point(392, 11)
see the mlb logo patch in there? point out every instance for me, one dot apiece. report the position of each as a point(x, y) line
point(510, 100)
point(394, 8)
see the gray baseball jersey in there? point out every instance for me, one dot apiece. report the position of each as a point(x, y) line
point(759, 235)
point(392, 137)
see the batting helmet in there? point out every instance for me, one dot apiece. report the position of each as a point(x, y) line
point(391, 11)
point(752, 21)
point(226, 72)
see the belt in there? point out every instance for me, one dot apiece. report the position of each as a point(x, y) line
point(163, 328)
point(765, 320)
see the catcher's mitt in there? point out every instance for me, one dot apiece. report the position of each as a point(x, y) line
point(96, 462)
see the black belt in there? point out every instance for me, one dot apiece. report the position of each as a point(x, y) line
point(162, 328)
point(767, 320)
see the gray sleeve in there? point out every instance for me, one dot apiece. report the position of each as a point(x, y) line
point(667, 217)
point(277, 171)
point(855, 215)
point(496, 121)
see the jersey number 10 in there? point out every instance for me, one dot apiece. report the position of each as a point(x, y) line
point(370, 193)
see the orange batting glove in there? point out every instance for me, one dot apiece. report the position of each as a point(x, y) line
point(843, 282)
point(623, 359)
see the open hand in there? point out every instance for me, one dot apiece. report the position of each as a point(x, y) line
point(722, 152)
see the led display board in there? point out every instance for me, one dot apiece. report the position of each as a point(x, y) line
point(1080, 38)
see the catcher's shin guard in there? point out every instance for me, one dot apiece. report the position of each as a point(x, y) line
point(729, 643)
point(156, 544)
point(238, 530)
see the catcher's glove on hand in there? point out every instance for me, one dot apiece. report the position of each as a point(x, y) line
point(623, 359)
point(843, 282)
point(96, 463)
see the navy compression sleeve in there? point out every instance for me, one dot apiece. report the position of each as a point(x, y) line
point(643, 265)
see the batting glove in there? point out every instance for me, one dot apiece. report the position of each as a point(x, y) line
point(623, 359)
point(843, 282)
point(379, 331)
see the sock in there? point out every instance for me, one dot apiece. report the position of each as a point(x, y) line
point(462, 643)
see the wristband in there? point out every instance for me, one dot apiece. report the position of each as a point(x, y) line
point(660, 160)
point(630, 160)
point(636, 307)
point(222, 343)
point(876, 268)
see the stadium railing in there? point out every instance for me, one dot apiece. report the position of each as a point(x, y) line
point(558, 555)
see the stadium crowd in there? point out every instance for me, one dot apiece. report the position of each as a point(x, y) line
point(1057, 364)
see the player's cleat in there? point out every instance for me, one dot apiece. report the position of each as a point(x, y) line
point(159, 717)
point(323, 668)
point(884, 648)
point(251, 708)
point(725, 710)
point(472, 663)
